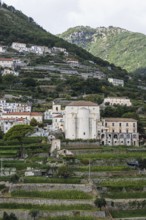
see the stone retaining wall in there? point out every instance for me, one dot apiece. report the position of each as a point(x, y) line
point(45, 201)
point(125, 204)
point(49, 187)
point(24, 214)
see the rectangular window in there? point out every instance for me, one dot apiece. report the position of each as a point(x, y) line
point(112, 124)
point(126, 124)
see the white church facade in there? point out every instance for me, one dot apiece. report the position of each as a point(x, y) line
point(81, 119)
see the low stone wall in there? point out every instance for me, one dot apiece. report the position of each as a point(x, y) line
point(45, 201)
point(49, 187)
point(133, 218)
point(83, 144)
point(25, 214)
point(125, 204)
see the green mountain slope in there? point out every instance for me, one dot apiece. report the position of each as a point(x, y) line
point(15, 26)
point(119, 46)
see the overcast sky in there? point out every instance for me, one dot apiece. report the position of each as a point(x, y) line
point(56, 16)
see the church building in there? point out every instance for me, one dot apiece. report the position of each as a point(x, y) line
point(81, 119)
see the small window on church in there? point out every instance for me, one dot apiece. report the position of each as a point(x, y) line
point(84, 133)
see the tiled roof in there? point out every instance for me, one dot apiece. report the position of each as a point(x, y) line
point(117, 97)
point(6, 59)
point(24, 113)
point(120, 120)
point(12, 119)
point(82, 103)
point(36, 113)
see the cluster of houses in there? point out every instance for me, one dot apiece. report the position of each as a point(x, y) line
point(79, 120)
point(9, 64)
point(40, 50)
point(15, 114)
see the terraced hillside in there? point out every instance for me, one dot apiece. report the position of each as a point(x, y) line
point(53, 196)
point(94, 172)
point(122, 186)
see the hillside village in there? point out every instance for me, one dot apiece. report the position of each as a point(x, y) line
point(119, 132)
point(72, 130)
point(72, 125)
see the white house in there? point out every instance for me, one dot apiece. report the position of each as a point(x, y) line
point(58, 123)
point(6, 107)
point(39, 49)
point(7, 71)
point(20, 47)
point(73, 62)
point(7, 62)
point(58, 49)
point(117, 101)
point(7, 123)
point(116, 82)
point(2, 49)
point(81, 119)
point(53, 112)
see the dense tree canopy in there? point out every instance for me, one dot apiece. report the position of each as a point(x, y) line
point(18, 132)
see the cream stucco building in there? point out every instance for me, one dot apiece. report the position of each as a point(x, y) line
point(81, 119)
point(116, 82)
point(119, 131)
point(117, 101)
point(7, 62)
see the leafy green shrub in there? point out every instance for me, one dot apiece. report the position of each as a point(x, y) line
point(9, 217)
point(100, 202)
point(14, 178)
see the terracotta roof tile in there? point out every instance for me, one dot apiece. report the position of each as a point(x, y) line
point(120, 120)
point(24, 113)
point(12, 119)
point(6, 59)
